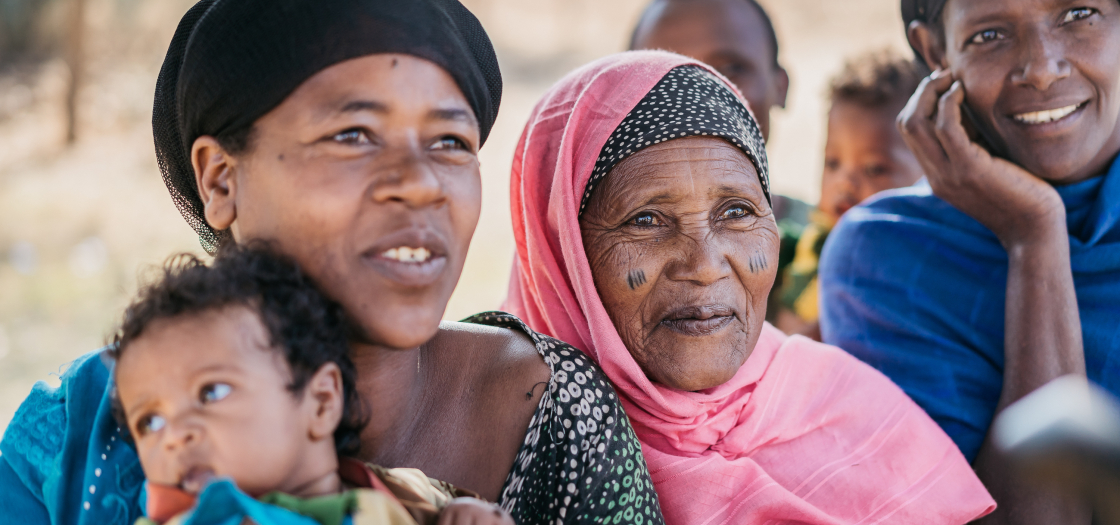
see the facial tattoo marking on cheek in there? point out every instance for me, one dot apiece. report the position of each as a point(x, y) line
point(758, 263)
point(635, 279)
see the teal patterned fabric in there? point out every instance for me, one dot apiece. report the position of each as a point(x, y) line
point(62, 459)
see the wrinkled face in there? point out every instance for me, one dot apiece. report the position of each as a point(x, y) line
point(864, 154)
point(1043, 78)
point(205, 396)
point(368, 176)
point(729, 35)
point(684, 249)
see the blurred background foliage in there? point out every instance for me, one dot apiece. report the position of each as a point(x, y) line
point(83, 210)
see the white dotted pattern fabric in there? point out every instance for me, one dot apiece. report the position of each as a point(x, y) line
point(689, 101)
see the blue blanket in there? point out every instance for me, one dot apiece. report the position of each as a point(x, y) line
point(917, 289)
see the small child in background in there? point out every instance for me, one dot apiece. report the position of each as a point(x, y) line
point(864, 154)
point(236, 387)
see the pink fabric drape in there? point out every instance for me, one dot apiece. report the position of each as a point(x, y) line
point(802, 433)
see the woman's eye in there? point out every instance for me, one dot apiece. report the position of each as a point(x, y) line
point(449, 143)
point(352, 137)
point(1079, 13)
point(735, 212)
point(985, 36)
point(148, 424)
point(214, 392)
point(646, 219)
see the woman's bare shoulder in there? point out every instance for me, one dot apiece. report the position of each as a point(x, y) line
point(491, 349)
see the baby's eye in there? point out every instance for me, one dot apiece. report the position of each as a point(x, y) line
point(151, 423)
point(352, 137)
point(214, 392)
point(734, 212)
point(449, 143)
point(983, 37)
point(646, 219)
point(876, 170)
point(1078, 13)
point(831, 164)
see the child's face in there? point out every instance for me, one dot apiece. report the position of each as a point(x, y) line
point(205, 396)
point(864, 154)
point(1043, 79)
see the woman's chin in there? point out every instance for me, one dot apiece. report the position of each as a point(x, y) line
point(705, 362)
point(404, 335)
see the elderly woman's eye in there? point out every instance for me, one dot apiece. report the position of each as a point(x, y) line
point(214, 392)
point(1079, 13)
point(150, 423)
point(352, 137)
point(983, 37)
point(645, 219)
point(735, 212)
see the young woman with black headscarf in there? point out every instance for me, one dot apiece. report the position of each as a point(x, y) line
point(346, 132)
point(1003, 273)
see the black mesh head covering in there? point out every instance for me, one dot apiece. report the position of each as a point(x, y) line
point(928, 11)
point(687, 102)
point(232, 61)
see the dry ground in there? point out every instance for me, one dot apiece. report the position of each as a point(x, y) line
point(79, 224)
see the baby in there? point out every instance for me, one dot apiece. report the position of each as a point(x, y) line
point(236, 388)
point(864, 154)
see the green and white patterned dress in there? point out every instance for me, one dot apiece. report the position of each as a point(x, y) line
point(581, 461)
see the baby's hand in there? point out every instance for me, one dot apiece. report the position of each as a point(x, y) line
point(471, 511)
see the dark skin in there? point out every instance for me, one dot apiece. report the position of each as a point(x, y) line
point(691, 216)
point(368, 176)
point(728, 34)
point(1009, 60)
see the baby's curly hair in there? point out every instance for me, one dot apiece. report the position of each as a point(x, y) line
point(883, 79)
point(309, 329)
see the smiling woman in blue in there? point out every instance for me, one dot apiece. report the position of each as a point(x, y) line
point(1003, 272)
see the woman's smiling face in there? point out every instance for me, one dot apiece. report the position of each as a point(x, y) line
point(368, 176)
point(683, 248)
point(1042, 77)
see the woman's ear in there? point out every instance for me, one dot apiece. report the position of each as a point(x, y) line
point(324, 393)
point(781, 79)
point(214, 172)
point(929, 42)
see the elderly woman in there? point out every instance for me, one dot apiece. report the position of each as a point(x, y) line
point(645, 237)
point(346, 132)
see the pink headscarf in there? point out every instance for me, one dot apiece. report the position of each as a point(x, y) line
point(803, 432)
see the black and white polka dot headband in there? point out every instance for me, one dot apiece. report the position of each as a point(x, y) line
point(687, 102)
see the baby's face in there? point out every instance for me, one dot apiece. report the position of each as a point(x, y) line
point(205, 397)
point(864, 155)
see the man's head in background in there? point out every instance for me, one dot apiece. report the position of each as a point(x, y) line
point(734, 36)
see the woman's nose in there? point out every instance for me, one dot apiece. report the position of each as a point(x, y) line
point(702, 261)
point(1043, 62)
point(410, 180)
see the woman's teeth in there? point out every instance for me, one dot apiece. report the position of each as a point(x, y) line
point(408, 255)
point(1044, 117)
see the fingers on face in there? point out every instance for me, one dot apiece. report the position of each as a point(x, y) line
point(950, 132)
point(917, 122)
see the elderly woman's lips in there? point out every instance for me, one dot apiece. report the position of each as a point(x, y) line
point(699, 320)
